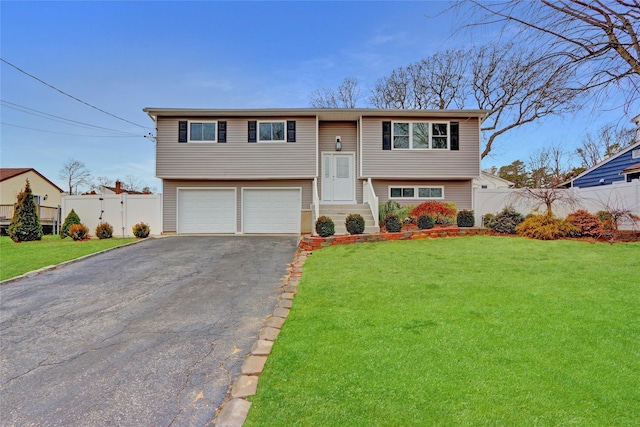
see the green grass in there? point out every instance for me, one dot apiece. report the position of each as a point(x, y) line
point(20, 258)
point(480, 331)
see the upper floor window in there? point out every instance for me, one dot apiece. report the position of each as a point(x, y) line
point(271, 131)
point(635, 154)
point(420, 135)
point(202, 131)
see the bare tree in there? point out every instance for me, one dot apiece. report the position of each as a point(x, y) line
point(608, 141)
point(549, 167)
point(346, 96)
point(132, 183)
point(595, 40)
point(75, 174)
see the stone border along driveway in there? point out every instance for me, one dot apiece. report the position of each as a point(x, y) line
point(234, 412)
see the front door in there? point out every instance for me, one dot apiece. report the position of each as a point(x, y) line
point(338, 177)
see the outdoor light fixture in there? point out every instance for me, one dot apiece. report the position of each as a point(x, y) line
point(338, 144)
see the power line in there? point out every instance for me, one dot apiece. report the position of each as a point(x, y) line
point(60, 119)
point(71, 96)
point(75, 134)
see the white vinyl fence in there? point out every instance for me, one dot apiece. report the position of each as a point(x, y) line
point(122, 211)
point(619, 195)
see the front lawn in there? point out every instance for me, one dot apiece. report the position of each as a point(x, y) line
point(20, 258)
point(459, 331)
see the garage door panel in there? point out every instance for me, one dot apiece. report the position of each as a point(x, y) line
point(271, 211)
point(206, 211)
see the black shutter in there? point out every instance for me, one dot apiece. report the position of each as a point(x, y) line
point(291, 131)
point(386, 135)
point(222, 131)
point(454, 128)
point(253, 136)
point(182, 131)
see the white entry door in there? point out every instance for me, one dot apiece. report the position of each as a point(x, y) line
point(338, 177)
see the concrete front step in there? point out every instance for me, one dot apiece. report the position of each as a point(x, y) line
point(338, 213)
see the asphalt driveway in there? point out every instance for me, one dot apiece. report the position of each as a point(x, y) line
point(150, 334)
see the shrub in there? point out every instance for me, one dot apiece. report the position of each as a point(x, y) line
point(354, 224)
point(72, 218)
point(104, 230)
point(545, 227)
point(443, 213)
point(426, 222)
point(79, 232)
point(390, 206)
point(487, 219)
point(141, 230)
point(465, 219)
point(392, 223)
point(25, 225)
point(325, 227)
point(506, 221)
point(585, 223)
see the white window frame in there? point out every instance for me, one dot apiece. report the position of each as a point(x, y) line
point(635, 154)
point(416, 191)
point(196, 141)
point(430, 123)
point(268, 141)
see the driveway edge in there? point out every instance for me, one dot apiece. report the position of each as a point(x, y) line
point(63, 263)
point(233, 413)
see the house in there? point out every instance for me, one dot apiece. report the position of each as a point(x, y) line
point(277, 170)
point(105, 189)
point(47, 195)
point(621, 167)
point(490, 181)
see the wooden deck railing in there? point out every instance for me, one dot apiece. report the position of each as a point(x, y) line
point(48, 214)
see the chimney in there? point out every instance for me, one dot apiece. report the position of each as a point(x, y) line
point(118, 187)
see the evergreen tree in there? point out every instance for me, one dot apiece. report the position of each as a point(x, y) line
point(72, 218)
point(25, 225)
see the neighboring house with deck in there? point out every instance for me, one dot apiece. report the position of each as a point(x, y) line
point(46, 194)
point(277, 170)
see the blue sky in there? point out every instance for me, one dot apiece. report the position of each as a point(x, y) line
point(124, 56)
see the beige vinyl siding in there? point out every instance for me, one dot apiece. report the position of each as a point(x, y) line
point(237, 158)
point(427, 164)
point(459, 192)
point(169, 189)
point(348, 131)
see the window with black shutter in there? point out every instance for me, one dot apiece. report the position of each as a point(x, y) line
point(182, 131)
point(222, 131)
point(291, 131)
point(386, 135)
point(455, 135)
point(253, 136)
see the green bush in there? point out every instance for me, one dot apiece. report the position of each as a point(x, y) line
point(506, 221)
point(586, 224)
point(390, 206)
point(465, 218)
point(141, 230)
point(487, 219)
point(325, 226)
point(25, 225)
point(71, 219)
point(392, 223)
point(354, 224)
point(104, 230)
point(545, 227)
point(79, 232)
point(426, 221)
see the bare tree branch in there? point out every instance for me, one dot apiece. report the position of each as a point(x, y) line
point(75, 174)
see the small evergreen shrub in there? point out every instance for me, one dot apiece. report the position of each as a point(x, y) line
point(354, 224)
point(79, 232)
point(545, 227)
point(325, 227)
point(465, 219)
point(586, 224)
point(392, 223)
point(141, 230)
point(443, 213)
point(25, 225)
point(390, 206)
point(487, 219)
point(426, 222)
point(104, 230)
point(71, 219)
point(506, 221)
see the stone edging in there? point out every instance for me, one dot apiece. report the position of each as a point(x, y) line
point(234, 412)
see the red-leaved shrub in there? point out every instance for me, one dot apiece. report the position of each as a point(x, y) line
point(443, 213)
point(587, 224)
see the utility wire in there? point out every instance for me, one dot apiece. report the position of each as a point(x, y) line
point(75, 134)
point(71, 96)
point(53, 117)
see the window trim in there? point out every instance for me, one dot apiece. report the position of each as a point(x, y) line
point(430, 123)
point(271, 141)
point(635, 154)
point(416, 192)
point(208, 141)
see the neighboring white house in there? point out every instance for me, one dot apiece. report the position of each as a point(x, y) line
point(491, 182)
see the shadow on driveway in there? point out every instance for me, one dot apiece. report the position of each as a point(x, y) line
point(149, 334)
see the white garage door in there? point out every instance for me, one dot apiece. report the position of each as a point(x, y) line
point(271, 210)
point(206, 211)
